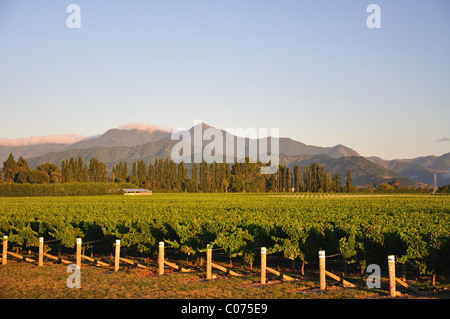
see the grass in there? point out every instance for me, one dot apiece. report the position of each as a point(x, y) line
point(20, 280)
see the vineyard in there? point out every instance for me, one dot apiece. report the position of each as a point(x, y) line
point(362, 230)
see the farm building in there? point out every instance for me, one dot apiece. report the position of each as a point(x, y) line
point(136, 191)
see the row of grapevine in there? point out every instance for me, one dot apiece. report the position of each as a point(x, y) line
point(363, 229)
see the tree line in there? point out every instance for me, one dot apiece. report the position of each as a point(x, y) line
point(166, 175)
point(73, 170)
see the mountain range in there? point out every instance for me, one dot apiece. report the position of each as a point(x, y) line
point(133, 145)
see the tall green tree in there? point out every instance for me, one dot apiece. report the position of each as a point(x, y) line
point(142, 173)
point(288, 180)
point(247, 177)
point(306, 179)
point(271, 182)
point(182, 177)
point(38, 177)
point(22, 164)
point(195, 181)
point(53, 172)
point(349, 183)
point(134, 170)
point(23, 171)
point(172, 174)
point(125, 171)
point(151, 176)
point(74, 170)
point(118, 173)
point(65, 171)
point(82, 170)
point(204, 177)
point(10, 169)
point(97, 170)
point(337, 183)
point(297, 178)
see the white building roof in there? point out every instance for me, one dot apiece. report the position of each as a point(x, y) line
point(135, 190)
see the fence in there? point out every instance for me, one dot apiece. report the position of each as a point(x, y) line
point(162, 262)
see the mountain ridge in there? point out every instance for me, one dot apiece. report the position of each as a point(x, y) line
point(133, 145)
point(420, 169)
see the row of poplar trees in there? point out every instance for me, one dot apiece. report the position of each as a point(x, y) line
point(166, 175)
point(73, 170)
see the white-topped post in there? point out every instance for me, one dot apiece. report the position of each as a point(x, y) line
point(41, 252)
point(5, 250)
point(263, 265)
point(161, 258)
point(391, 266)
point(117, 255)
point(208, 262)
point(78, 258)
point(322, 269)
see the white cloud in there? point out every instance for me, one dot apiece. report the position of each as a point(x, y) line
point(73, 138)
point(143, 127)
point(36, 140)
point(444, 139)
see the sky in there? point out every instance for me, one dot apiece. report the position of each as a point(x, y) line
point(313, 69)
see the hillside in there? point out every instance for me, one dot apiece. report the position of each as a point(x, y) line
point(118, 137)
point(147, 152)
point(134, 145)
point(420, 169)
point(363, 171)
point(111, 138)
point(290, 147)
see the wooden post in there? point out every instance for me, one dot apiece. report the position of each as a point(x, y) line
point(41, 252)
point(21, 257)
point(263, 265)
point(404, 284)
point(117, 256)
point(208, 262)
point(391, 266)
point(96, 261)
point(58, 259)
point(161, 258)
point(342, 280)
point(322, 269)
point(279, 274)
point(225, 270)
point(131, 262)
point(5, 250)
point(78, 258)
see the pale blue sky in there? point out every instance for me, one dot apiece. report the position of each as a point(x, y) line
point(311, 68)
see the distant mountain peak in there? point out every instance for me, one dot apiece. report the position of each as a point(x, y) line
point(143, 127)
point(133, 143)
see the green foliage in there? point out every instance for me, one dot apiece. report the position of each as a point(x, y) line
point(66, 189)
point(349, 182)
point(363, 229)
point(164, 175)
point(234, 241)
point(97, 171)
point(10, 169)
point(444, 189)
point(189, 236)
